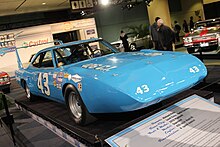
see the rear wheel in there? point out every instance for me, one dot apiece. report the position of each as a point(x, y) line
point(76, 107)
point(29, 95)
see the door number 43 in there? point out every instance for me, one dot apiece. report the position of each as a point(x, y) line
point(42, 83)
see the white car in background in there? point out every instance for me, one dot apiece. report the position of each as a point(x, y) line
point(135, 43)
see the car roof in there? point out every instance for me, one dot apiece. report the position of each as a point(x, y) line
point(71, 43)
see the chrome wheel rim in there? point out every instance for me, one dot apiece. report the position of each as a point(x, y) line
point(132, 47)
point(28, 92)
point(74, 105)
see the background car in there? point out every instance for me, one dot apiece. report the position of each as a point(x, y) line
point(205, 37)
point(91, 76)
point(4, 82)
point(135, 43)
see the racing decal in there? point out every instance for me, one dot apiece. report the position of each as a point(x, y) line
point(194, 69)
point(148, 54)
point(42, 83)
point(204, 32)
point(142, 89)
point(66, 75)
point(99, 67)
point(91, 65)
point(79, 86)
point(76, 78)
point(58, 79)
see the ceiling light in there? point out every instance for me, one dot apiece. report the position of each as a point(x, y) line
point(83, 13)
point(43, 3)
point(105, 2)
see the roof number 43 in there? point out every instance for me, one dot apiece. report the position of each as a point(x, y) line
point(194, 69)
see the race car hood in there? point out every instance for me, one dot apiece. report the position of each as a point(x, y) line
point(203, 31)
point(144, 75)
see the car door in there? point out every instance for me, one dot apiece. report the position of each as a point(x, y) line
point(42, 69)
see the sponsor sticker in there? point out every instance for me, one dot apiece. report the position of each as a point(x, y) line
point(66, 75)
point(58, 79)
point(76, 78)
point(79, 85)
point(99, 67)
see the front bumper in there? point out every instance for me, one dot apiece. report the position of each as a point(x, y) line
point(204, 46)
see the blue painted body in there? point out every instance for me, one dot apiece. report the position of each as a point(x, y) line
point(136, 79)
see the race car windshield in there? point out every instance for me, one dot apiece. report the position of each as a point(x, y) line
point(80, 52)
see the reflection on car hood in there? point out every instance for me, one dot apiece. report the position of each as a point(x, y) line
point(135, 62)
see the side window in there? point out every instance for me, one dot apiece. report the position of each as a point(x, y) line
point(71, 54)
point(36, 62)
point(61, 54)
point(44, 60)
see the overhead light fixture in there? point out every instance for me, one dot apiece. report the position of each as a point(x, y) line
point(83, 13)
point(148, 2)
point(104, 2)
point(44, 3)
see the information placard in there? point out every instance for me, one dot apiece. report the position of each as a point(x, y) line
point(193, 121)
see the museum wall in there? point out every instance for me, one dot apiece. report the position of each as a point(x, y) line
point(159, 8)
point(211, 10)
point(35, 38)
point(111, 20)
point(188, 8)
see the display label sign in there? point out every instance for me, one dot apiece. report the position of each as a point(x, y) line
point(193, 121)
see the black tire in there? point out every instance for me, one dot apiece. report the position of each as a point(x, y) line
point(29, 95)
point(76, 107)
point(191, 50)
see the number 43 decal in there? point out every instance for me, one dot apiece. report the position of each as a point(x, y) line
point(142, 89)
point(42, 83)
point(194, 69)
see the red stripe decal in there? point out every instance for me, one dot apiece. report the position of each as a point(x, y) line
point(203, 32)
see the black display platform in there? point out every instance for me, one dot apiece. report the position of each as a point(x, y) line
point(104, 127)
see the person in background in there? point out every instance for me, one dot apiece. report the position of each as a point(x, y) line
point(191, 23)
point(154, 33)
point(124, 38)
point(166, 36)
point(185, 26)
point(177, 29)
point(200, 18)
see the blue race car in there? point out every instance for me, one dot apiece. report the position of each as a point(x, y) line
point(91, 76)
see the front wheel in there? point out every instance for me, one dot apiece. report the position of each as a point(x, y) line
point(76, 107)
